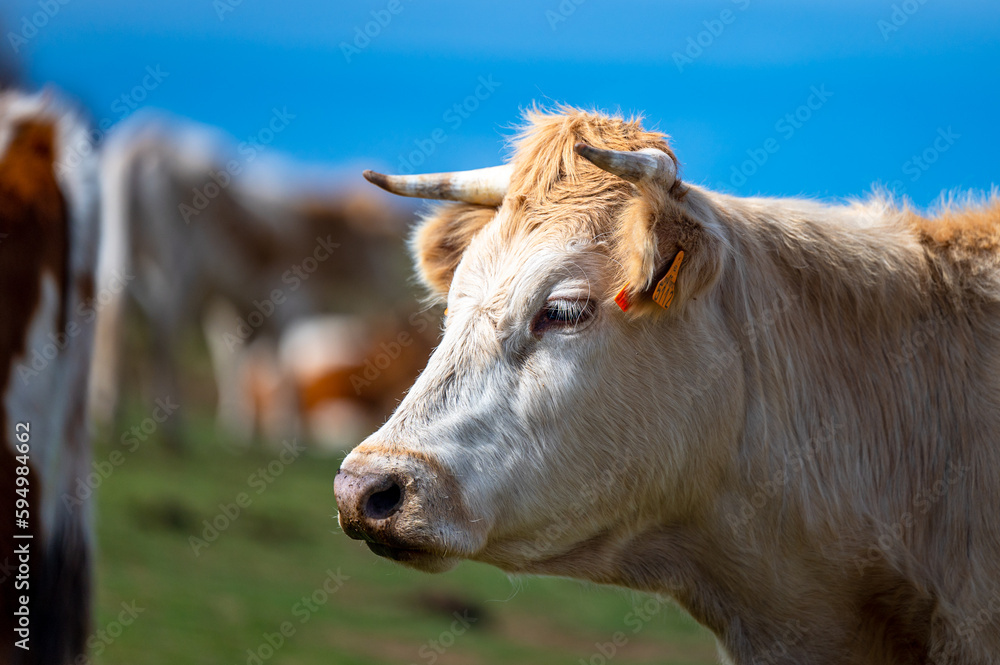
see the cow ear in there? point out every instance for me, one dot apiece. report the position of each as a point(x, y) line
point(654, 226)
point(441, 239)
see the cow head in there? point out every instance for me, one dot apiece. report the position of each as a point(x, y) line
point(549, 424)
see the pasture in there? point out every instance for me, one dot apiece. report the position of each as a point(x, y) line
point(718, 294)
point(240, 588)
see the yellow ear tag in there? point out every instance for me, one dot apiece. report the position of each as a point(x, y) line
point(663, 295)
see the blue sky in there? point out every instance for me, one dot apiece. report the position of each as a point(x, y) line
point(821, 98)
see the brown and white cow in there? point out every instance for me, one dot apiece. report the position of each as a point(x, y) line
point(802, 447)
point(48, 255)
point(190, 222)
point(329, 379)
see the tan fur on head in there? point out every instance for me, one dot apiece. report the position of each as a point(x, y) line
point(547, 168)
point(553, 188)
point(439, 241)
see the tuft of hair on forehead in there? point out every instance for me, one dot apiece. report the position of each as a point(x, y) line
point(547, 169)
point(557, 192)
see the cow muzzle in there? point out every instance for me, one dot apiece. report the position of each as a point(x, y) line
point(369, 499)
point(405, 508)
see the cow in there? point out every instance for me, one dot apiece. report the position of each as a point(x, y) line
point(781, 413)
point(49, 232)
point(328, 378)
point(195, 223)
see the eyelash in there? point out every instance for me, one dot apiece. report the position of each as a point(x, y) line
point(560, 313)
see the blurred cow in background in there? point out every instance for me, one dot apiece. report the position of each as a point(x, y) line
point(330, 378)
point(191, 231)
point(48, 255)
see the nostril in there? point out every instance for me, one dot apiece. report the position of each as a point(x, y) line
point(384, 503)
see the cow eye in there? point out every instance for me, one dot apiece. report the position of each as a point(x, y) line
point(563, 314)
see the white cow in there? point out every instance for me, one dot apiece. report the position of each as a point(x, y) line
point(794, 425)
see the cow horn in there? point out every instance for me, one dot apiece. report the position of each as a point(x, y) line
point(646, 166)
point(481, 186)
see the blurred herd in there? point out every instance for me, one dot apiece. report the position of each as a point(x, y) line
point(289, 293)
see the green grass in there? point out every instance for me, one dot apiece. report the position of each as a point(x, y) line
point(213, 607)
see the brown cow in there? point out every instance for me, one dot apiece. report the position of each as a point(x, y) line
point(48, 254)
point(792, 430)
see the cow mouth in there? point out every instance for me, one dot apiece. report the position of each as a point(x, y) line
point(420, 559)
point(401, 554)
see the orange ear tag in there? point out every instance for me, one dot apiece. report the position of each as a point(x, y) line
point(663, 295)
point(622, 299)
